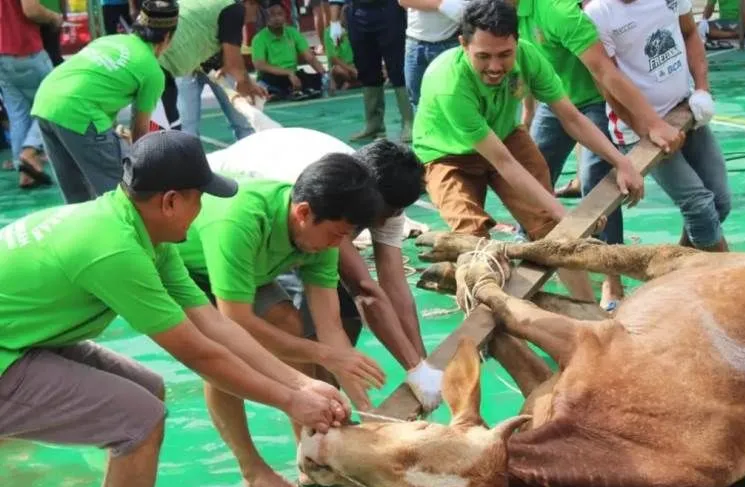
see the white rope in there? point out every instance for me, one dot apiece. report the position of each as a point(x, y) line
point(483, 253)
point(379, 416)
point(500, 379)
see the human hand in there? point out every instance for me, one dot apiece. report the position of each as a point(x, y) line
point(666, 137)
point(354, 366)
point(702, 107)
point(630, 182)
point(425, 382)
point(318, 405)
point(248, 88)
point(295, 82)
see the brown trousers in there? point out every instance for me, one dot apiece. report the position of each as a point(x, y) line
point(457, 186)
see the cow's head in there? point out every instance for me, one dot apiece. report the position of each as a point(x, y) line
point(466, 453)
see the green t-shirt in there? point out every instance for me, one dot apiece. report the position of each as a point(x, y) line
point(238, 244)
point(562, 32)
point(279, 51)
point(96, 83)
point(343, 51)
point(68, 271)
point(457, 110)
point(729, 10)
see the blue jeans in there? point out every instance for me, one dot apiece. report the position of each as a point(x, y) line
point(695, 178)
point(190, 105)
point(556, 145)
point(418, 56)
point(20, 77)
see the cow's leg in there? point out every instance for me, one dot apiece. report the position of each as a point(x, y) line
point(643, 262)
point(526, 368)
point(554, 333)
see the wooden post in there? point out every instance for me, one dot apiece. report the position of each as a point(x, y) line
point(528, 278)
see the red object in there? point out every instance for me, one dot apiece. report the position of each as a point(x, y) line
point(75, 37)
point(18, 35)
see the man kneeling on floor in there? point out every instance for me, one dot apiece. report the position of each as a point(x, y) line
point(62, 287)
point(388, 305)
point(238, 247)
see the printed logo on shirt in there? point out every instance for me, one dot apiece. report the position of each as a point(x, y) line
point(538, 35)
point(664, 55)
point(672, 5)
point(109, 62)
point(17, 235)
point(624, 28)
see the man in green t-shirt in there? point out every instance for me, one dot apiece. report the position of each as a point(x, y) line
point(569, 40)
point(340, 58)
point(237, 248)
point(275, 50)
point(69, 271)
point(726, 27)
point(467, 134)
point(77, 104)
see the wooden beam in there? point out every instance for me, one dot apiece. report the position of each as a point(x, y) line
point(528, 278)
point(478, 326)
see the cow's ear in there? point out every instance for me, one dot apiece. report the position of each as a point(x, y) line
point(461, 387)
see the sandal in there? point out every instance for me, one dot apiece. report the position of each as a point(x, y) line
point(39, 176)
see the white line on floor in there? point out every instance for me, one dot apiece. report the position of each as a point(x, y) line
point(719, 53)
point(215, 142)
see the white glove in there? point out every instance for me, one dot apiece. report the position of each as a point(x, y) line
point(703, 29)
point(453, 9)
point(336, 31)
point(702, 107)
point(426, 383)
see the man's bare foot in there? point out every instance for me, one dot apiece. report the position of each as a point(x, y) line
point(570, 190)
point(266, 477)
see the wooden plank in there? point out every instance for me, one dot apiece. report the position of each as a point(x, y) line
point(528, 278)
point(741, 25)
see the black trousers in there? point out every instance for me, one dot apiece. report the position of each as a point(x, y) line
point(281, 85)
point(377, 33)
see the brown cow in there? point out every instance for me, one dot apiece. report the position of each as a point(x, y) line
point(654, 396)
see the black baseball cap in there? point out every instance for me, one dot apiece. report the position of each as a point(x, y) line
point(169, 160)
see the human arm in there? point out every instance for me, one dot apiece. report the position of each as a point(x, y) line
point(311, 59)
point(528, 111)
point(36, 12)
point(303, 50)
point(377, 309)
point(140, 125)
point(230, 35)
point(701, 102)
point(584, 131)
point(709, 9)
point(325, 312)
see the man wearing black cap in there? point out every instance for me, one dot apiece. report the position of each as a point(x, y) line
point(78, 102)
point(70, 270)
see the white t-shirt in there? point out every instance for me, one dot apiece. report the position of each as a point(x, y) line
point(429, 26)
point(645, 38)
point(282, 154)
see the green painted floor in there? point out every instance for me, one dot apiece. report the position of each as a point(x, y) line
point(193, 455)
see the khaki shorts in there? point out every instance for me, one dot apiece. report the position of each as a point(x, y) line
point(457, 186)
point(83, 394)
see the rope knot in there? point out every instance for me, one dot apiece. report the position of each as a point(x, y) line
point(486, 264)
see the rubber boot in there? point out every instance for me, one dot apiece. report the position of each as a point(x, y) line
point(407, 114)
point(374, 97)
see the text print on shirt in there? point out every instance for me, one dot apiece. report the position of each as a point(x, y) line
point(16, 235)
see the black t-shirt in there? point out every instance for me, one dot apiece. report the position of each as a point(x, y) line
point(229, 31)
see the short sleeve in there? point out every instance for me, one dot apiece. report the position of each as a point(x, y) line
point(684, 7)
point(229, 252)
point(136, 292)
point(230, 24)
point(301, 43)
point(597, 12)
point(176, 279)
point(151, 88)
point(258, 47)
point(544, 83)
point(462, 115)
point(391, 233)
point(570, 27)
point(322, 270)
